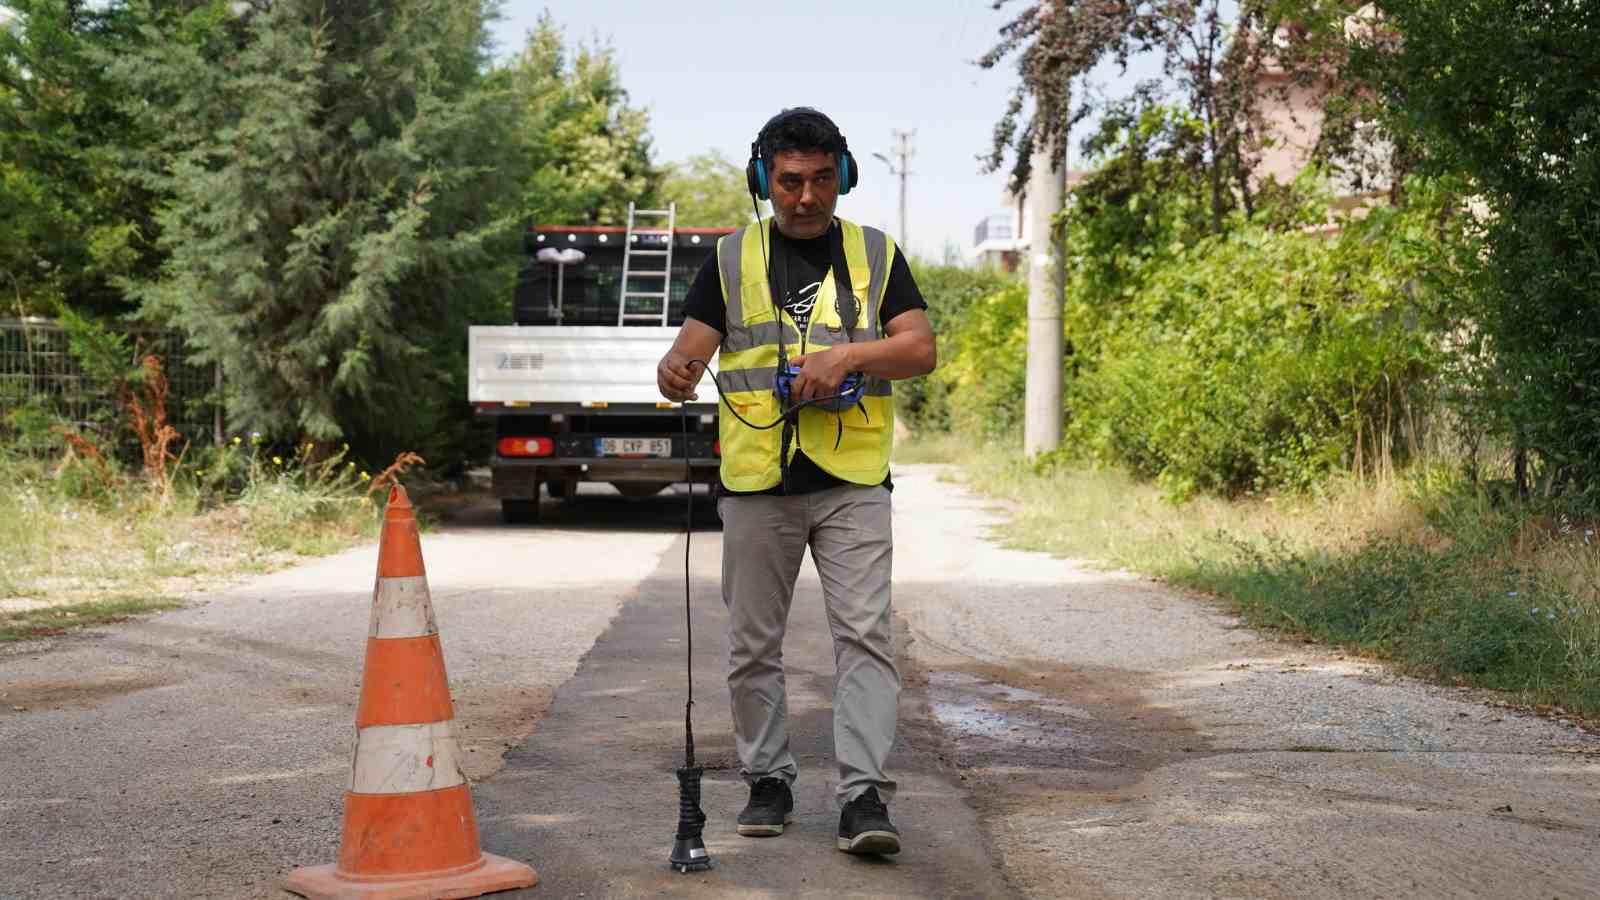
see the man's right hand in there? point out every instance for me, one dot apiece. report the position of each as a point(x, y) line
point(677, 377)
point(678, 374)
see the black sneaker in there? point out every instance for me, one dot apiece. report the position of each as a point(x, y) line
point(771, 807)
point(864, 826)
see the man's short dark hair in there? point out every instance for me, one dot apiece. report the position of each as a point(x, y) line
point(801, 129)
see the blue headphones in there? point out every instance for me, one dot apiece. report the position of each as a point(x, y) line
point(755, 171)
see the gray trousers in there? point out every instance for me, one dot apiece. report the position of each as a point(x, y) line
point(764, 539)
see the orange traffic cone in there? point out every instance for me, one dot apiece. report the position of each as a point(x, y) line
point(409, 829)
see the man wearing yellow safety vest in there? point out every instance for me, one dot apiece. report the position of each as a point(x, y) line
point(833, 303)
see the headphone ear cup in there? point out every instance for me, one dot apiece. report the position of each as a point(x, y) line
point(847, 172)
point(755, 176)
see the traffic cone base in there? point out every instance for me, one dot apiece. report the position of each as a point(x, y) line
point(409, 829)
point(489, 874)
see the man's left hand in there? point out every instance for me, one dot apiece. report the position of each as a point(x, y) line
point(821, 373)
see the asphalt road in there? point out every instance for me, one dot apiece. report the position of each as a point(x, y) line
point(204, 752)
point(1125, 740)
point(1064, 732)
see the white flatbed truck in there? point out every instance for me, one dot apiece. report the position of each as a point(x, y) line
point(572, 386)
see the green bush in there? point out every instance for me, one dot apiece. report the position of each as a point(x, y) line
point(1263, 358)
point(952, 292)
point(1468, 609)
point(301, 499)
point(984, 365)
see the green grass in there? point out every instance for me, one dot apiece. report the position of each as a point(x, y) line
point(1423, 571)
point(96, 545)
point(27, 624)
point(934, 448)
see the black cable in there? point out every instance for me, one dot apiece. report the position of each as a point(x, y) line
point(688, 842)
point(688, 532)
point(775, 293)
point(842, 395)
point(688, 620)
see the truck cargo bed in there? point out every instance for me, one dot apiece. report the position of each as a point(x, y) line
point(569, 365)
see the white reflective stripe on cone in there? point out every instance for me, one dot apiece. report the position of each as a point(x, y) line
point(404, 759)
point(401, 608)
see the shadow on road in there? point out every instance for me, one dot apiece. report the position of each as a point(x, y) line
point(595, 507)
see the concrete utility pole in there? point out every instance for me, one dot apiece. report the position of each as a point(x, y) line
point(1047, 186)
point(904, 152)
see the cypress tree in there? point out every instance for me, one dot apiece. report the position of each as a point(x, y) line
point(338, 172)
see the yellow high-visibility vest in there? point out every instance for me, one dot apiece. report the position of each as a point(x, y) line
point(748, 364)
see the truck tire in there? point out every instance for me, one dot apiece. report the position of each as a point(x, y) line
point(520, 512)
point(559, 490)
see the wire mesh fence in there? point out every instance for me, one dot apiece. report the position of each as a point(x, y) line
point(39, 370)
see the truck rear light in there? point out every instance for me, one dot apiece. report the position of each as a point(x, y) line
point(527, 446)
point(486, 404)
point(717, 448)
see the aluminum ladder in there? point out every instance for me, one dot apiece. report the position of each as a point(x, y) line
point(637, 244)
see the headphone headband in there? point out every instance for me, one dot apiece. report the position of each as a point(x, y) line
point(758, 168)
point(799, 112)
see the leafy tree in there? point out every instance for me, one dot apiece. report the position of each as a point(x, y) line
point(586, 152)
point(1144, 199)
point(338, 173)
point(710, 192)
point(71, 225)
point(1212, 52)
point(1503, 91)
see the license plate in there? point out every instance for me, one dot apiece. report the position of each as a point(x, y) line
point(634, 446)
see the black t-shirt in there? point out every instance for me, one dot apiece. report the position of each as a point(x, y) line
point(799, 268)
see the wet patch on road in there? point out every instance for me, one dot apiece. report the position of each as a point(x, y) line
point(1037, 739)
point(1044, 719)
point(25, 696)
